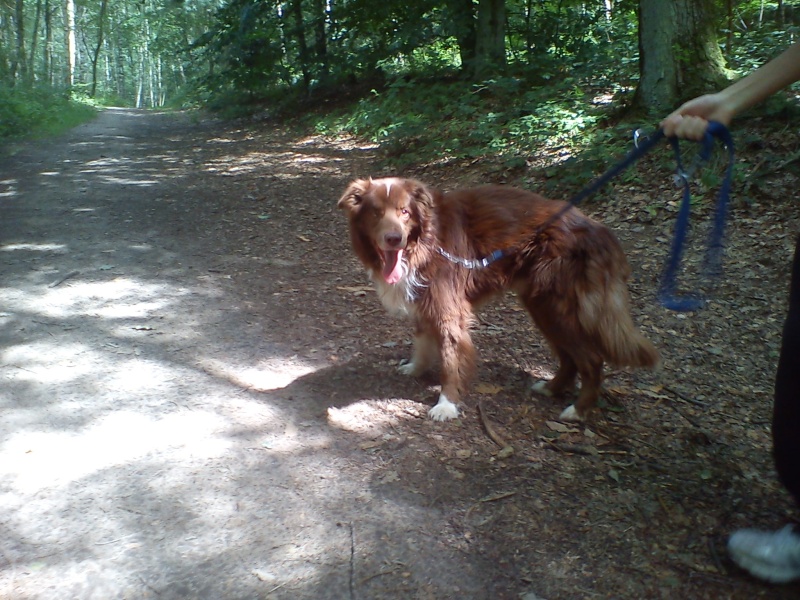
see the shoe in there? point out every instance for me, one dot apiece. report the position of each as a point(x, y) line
point(769, 555)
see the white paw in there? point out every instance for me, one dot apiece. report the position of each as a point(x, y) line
point(540, 387)
point(408, 368)
point(444, 410)
point(570, 414)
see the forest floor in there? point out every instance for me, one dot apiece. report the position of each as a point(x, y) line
point(199, 395)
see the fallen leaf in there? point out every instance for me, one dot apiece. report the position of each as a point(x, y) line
point(561, 427)
point(505, 452)
point(488, 388)
point(390, 476)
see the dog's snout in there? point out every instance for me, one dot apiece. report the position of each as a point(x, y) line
point(393, 239)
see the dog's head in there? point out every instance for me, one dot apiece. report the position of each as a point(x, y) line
point(387, 217)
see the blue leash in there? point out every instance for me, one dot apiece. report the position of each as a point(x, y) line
point(713, 259)
point(642, 146)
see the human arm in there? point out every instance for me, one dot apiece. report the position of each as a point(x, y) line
point(691, 119)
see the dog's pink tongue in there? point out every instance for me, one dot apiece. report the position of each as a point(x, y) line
point(392, 266)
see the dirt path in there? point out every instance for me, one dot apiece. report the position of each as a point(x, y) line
point(138, 456)
point(198, 399)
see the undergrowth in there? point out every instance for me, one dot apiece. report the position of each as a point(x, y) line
point(508, 124)
point(38, 112)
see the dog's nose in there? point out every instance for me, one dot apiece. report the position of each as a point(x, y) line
point(393, 239)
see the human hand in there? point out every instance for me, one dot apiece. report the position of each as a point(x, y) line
point(690, 121)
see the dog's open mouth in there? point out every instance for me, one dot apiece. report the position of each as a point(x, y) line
point(392, 266)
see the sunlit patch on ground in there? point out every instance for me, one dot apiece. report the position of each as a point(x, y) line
point(33, 247)
point(114, 299)
point(33, 460)
point(370, 416)
point(266, 376)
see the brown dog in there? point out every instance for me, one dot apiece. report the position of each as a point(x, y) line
point(570, 273)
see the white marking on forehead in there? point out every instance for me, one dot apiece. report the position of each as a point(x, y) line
point(388, 183)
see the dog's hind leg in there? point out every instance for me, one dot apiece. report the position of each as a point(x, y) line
point(576, 356)
point(591, 370)
point(564, 380)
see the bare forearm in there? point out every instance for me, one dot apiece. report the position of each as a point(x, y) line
point(764, 81)
point(691, 119)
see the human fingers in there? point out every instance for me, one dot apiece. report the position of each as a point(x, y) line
point(685, 126)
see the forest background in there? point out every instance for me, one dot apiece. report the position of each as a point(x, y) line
point(463, 80)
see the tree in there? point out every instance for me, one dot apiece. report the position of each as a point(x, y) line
point(460, 14)
point(19, 67)
point(490, 39)
point(302, 45)
point(96, 55)
point(679, 55)
point(71, 46)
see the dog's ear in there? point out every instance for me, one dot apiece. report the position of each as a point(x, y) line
point(353, 195)
point(421, 193)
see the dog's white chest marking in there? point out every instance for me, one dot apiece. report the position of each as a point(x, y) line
point(397, 299)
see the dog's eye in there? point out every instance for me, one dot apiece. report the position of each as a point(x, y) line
point(405, 212)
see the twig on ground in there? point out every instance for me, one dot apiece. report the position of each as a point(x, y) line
point(485, 500)
point(113, 541)
point(685, 398)
point(381, 573)
point(58, 282)
point(277, 587)
point(715, 557)
point(572, 448)
point(352, 562)
point(497, 497)
point(507, 449)
point(755, 175)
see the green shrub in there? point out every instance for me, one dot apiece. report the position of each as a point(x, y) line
point(34, 112)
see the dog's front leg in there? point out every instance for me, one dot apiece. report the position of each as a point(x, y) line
point(458, 363)
point(425, 352)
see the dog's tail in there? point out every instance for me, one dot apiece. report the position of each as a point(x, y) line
point(621, 342)
point(604, 308)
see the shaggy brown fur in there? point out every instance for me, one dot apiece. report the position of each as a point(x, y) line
point(570, 276)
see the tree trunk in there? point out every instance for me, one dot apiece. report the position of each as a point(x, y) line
point(321, 39)
point(490, 43)
point(463, 20)
point(20, 66)
point(302, 45)
point(47, 55)
point(100, 29)
point(69, 33)
point(679, 56)
point(34, 39)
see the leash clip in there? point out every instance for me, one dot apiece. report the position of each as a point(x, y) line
point(637, 133)
point(643, 140)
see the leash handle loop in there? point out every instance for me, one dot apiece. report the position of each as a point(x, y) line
point(713, 258)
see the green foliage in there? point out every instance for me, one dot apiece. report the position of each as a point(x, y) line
point(506, 118)
point(39, 111)
point(259, 52)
